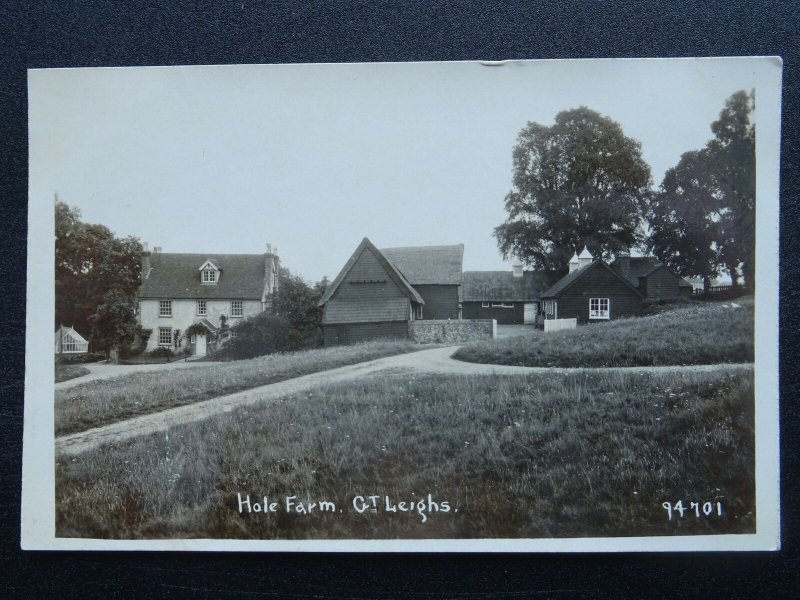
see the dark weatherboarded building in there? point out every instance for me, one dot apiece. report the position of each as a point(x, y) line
point(591, 292)
point(652, 277)
point(511, 297)
point(378, 292)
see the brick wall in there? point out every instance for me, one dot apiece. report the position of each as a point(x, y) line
point(452, 332)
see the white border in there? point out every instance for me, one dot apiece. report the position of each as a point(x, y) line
point(38, 502)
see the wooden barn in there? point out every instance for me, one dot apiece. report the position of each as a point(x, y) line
point(591, 292)
point(511, 297)
point(378, 292)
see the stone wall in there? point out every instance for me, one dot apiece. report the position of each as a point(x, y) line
point(451, 332)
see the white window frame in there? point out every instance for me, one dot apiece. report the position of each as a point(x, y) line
point(484, 305)
point(209, 276)
point(596, 310)
point(202, 308)
point(418, 312)
point(237, 308)
point(165, 331)
point(165, 308)
point(502, 305)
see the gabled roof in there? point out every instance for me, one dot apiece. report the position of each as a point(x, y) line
point(207, 264)
point(497, 286)
point(428, 264)
point(644, 266)
point(390, 269)
point(176, 276)
point(562, 284)
point(586, 254)
point(69, 331)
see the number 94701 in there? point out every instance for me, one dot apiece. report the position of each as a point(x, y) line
point(696, 509)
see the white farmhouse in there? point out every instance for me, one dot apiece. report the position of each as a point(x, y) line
point(181, 290)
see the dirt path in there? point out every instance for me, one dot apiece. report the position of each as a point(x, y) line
point(437, 360)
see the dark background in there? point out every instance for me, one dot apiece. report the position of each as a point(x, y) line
point(86, 34)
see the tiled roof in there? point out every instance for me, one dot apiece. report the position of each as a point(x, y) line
point(428, 264)
point(642, 266)
point(570, 278)
point(502, 286)
point(178, 276)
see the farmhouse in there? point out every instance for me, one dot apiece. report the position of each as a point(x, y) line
point(510, 297)
point(181, 290)
point(378, 292)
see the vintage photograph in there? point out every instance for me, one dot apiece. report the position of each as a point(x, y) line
point(527, 305)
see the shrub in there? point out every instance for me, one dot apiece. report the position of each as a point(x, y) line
point(79, 359)
point(255, 336)
point(161, 353)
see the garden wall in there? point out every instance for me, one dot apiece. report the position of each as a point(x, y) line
point(451, 332)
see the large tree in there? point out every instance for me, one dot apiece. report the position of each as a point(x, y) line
point(579, 182)
point(732, 157)
point(684, 219)
point(96, 279)
point(702, 219)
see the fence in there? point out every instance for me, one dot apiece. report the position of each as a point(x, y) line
point(559, 324)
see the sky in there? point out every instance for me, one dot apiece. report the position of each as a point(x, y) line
point(313, 158)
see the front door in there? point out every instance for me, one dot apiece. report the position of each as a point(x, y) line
point(200, 344)
point(529, 317)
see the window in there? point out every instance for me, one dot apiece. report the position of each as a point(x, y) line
point(484, 305)
point(209, 276)
point(165, 336)
point(550, 309)
point(165, 308)
point(418, 311)
point(599, 308)
point(502, 305)
point(237, 310)
point(202, 309)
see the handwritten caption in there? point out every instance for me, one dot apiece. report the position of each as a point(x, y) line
point(371, 504)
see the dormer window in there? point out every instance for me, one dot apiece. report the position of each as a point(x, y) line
point(209, 273)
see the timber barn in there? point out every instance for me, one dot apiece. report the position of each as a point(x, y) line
point(378, 292)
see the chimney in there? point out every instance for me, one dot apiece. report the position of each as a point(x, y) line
point(516, 268)
point(625, 263)
point(573, 262)
point(271, 268)
point(145, 261)
point(585, 258)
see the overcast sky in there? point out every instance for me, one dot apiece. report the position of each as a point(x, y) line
point(312, 158)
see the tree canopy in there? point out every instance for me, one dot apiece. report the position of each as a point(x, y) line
point(96, 279)
point(702, 219)
point(578, 182)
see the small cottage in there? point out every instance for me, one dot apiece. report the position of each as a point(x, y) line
point(654, 280)
point(591, 292)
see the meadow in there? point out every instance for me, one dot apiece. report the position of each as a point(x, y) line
point(585, 454)
point(698, 334)
point(107, 401)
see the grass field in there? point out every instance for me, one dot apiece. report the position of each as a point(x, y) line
point(702, 333)
point(592, 454)
point(67, 372)
point(102, 402)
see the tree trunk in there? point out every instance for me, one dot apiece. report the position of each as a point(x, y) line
point(706, 284)
point(113, 356)
point(734, 272)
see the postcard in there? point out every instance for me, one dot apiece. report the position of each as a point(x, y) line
point(517, 306)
